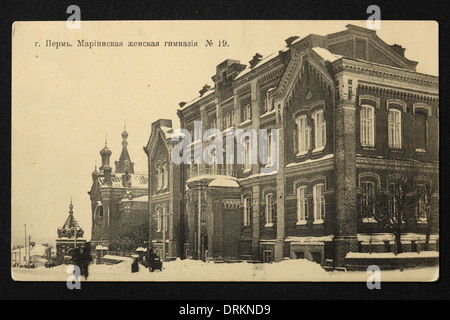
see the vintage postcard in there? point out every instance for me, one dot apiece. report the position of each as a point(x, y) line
point(299, 151)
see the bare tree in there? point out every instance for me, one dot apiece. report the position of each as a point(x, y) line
point(391, 206)
point(427, 205)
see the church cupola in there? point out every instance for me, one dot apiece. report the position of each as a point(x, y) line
point(71, 226)
point(124, 163)
point(105, 154)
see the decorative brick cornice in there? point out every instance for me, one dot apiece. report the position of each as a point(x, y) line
point(307, 168)
point(383, 164)
point(245, 88)
point(385, 72)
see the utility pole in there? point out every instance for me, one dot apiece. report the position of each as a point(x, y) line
point(29, 248)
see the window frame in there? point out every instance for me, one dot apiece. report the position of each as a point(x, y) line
point(367, 126)
point(319, 127)
point(303, 135)
point(365, 200)
point(425, 147)
point(247, 210)
point(319, 215)
point(302, 202)
point(269, 208)
point(395, 129)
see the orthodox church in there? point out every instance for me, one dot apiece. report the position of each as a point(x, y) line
point(70, 236)
point(118, 202)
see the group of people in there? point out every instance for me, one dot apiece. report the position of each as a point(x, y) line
point(81, 258)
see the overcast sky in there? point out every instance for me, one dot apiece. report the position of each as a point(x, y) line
point(66, 100)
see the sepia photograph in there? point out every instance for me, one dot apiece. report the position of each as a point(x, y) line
point(225, 151)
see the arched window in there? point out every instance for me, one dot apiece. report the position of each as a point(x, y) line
point(269, 210)
point(319, 203)
point(302, 205)
point(247, 151)
point(158, 176)
point(165, 218)
point(367, 126)
point(319, 130)
point(247, 210)
point(395, 129)
point(367, 200)
point(165, 176)
point(421, 131)
point(302, 135)
point(158, 220)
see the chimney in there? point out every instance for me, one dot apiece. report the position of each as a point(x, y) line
point(399, 49)
point(182, 104)
point(290, 40)
point(205, 89)
point(256, 59)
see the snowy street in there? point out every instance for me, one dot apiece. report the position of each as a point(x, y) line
point(193, 270)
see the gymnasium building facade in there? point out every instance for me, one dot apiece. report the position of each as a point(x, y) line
point(352, 114)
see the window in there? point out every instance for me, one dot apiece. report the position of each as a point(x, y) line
point(302, 205)
point(165, 177)
point(267, 256)
point(422, 201)
point(226, 121)
point(213, 124)
point(421, 131)
point(162, 173)
point(230, 165)
point(319, 130)
point(247, 210)
point(393, 205)
point(159, 177)
point(164, 218)
point(367, 199)
point(247, 151)
point(395, 129)
point(269, 148)
point(203, 214)
point(269, 210)
point(247, 114)
point(198, 133)
point(319, 203)
point(214, 163)
point(350, 88)
point(367, 126)
point(158, 220)
point(303, 135)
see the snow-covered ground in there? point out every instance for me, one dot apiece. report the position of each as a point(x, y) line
point(192, 270)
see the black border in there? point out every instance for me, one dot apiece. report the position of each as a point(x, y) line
point(219, 10)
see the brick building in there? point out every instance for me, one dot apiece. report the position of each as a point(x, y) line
point(352, 115)
point(119, 203)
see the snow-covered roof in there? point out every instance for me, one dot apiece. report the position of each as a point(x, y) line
point(259, 64)
point(190, 103)
point(295, 164)
point(137, 199)
point(217, 180)
point(137, 181)
point(224, 181)
point(326, 55)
